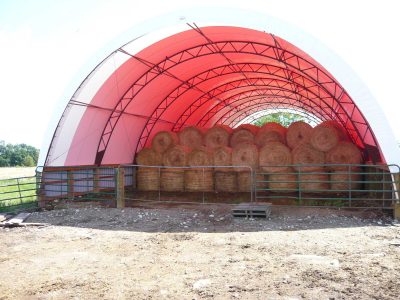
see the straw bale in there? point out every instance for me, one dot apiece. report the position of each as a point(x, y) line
point(172, 180)
point(217, 136)
point(148, 157)
point(298, 133)
point(270, 132)
point(176, 156)
point(251, 127)
point(244, 181)
point(164, 140)
point(315, 182)
point(199, 181)
point(283, 182)
point(327, 135)
point(222, 156)
point(191, 137)
point(226, 181)
point(245, 154)
point(241, 135)
point(344, 180)
point(343, 153)
point(306, 154)
point(274, 157)
point(148, 179)
point(200, 157)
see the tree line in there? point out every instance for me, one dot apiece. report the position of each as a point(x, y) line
point(19, 155)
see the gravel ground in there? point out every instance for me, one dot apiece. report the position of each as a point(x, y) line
point(196, 252)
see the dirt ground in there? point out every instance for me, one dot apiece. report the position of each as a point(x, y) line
point(15, 172)
point(200, 252)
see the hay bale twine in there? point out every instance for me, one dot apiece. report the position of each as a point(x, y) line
point(270, 132)
point(225, 181)
point(148, 157)
point(191, 137)
point(341, 180)
point(148, 179)
point(274, 157)
point(172, 180)
point(305, 154)
point(240, 136)
point(199, 181)
point(326, 135)
point(314, 182)
point(164, 140)
point(217, 136)
point(176, 156)
point(245, 154)
point(298, 133)
point(343, 153)
point(283, 182)
point(222, 156)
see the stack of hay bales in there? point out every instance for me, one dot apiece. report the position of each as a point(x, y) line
point(270, 149)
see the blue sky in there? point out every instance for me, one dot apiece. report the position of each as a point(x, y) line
point(44, 46)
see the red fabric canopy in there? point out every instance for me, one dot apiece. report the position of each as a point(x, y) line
point(206, 76)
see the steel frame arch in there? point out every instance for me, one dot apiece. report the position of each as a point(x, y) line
point(235, 47)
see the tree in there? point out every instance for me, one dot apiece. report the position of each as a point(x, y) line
point(283, 118)
point(18, 155)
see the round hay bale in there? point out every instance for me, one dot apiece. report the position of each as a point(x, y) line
point(317, 182)
point(305, 154)
point(343, 153)
point(217, 136)
point(172, 180)
point(191, 137)
point(270, 132)
point(343, 136)
point(226, 182)
point(148, 157)
point(240, 136)
point(148, 179)
point(298, 133)
point(274, 157)
point(283, 182)
point(327, 135)
point(199, 181)
point(245, 154)
point(164, 140)
point(244, 181)
point(176, 156)
point(342, 181)
point(200, 157)
point(251, 127)
point(222, 156)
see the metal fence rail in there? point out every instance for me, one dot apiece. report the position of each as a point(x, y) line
point(343, 186)
point(18, 193)
point(340, 186)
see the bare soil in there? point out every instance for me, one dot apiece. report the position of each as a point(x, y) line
point(200, 252)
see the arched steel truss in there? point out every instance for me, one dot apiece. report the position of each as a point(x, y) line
point(301, 76)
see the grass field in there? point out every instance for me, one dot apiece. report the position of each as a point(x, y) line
point(17, 191)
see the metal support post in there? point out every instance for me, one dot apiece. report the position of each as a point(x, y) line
point(120, 187)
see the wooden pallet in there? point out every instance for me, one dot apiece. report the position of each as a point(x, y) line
point(252, 210)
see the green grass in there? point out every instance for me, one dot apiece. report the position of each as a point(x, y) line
point(17, 193)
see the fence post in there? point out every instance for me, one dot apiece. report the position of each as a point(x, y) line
point(96, 179)
point(396, 203)
point(120, 187)
point(70, 184)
